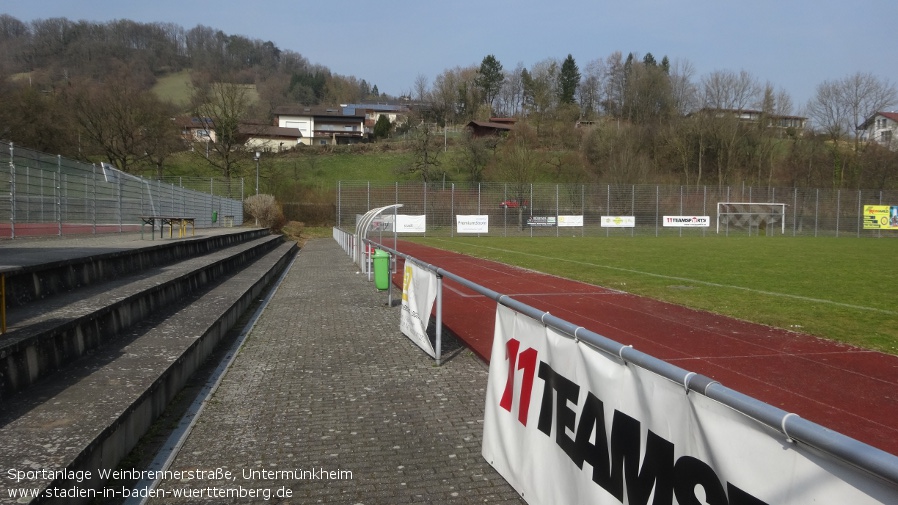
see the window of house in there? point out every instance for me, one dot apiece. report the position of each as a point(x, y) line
point(887, 137)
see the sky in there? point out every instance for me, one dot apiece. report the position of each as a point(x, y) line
point(795, 45)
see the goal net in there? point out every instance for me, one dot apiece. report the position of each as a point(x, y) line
point(757, 216)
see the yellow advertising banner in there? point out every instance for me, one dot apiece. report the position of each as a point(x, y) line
point(881, 217)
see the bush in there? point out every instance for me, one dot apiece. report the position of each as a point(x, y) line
point(266, 210)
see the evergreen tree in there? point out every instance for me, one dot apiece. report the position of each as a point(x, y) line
point(382, 127)
point(568, 80)
point(489, 78)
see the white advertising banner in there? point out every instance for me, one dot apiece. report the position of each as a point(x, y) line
point(411, 224)
point(567, 424)
point(570, 221)
point(419, 290)
point(618, 221)
point(472, 224)
point(687, 221)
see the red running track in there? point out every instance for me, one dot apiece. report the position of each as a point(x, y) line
point(850, 390)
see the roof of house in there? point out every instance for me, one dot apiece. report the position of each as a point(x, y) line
point(888, 115)
point(260, 130)
point(491, 124)
point(316, 110)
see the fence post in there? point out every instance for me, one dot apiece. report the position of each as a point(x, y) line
point(452, 212)
point(838, 210)
point(339, 203)
point(860, 214)
point(12, 192)
point(93, 175)
point(58, 195)
point(816, 210)
point(556, 210)
point(657, 204)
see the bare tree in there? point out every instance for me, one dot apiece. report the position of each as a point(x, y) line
point(120, 120)
point(221, 107)
point(838, 107)
point(589, 93)
point(420, 88)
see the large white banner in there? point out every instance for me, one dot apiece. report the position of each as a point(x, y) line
point(567, 424)
point(411, 224)
point(419, 290)
point(687, 221)
point(618, 222)
point(472, 224)
point(570, 221)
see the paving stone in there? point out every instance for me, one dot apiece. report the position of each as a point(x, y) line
point(326, 383)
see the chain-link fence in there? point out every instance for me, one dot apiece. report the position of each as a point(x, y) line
point(50, 195)
point(619, 209)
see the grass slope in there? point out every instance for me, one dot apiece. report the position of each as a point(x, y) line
point(838, 289)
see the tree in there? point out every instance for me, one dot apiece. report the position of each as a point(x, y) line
point(425, 152)
point(489, 78)
point(221, 107)
point(839, 107)
point(120, 120)
point(518, 163)
point(475, 155)
point(568, 81)
point(382, 127)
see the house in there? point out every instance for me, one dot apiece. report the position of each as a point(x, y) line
point(754, 116)
point(267, 138)
point(495, 126)
point(323, 125)
point(194, 129)
point(396, 113)
point(881, 128)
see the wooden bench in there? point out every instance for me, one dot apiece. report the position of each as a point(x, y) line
point(171, 221)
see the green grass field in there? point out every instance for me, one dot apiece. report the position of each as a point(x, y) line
point(836, 288)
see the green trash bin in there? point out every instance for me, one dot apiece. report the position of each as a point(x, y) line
point(381, 261)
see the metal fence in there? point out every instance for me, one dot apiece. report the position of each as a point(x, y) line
point(50, 195)
point(534, 209)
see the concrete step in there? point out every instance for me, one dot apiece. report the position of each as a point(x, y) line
point(89, 415)
point(42, 273)
point(46, 334)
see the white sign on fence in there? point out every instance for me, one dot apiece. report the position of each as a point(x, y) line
point(565, 423)
point(472, 224)
point(419, 290)
point(618, 221)
point(570, 221)
point(411, 224)
point(687, 221)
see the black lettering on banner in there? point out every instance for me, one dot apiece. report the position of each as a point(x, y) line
point(565, 390)
point(691, 472)
point(618, 464)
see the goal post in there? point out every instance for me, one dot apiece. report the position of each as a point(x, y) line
point(751, 215)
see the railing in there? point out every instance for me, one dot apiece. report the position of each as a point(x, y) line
point(875, 461)
point(52, 195)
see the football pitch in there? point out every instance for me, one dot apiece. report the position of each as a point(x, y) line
point(842, 289)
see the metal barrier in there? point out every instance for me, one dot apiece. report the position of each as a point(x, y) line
point(793, 427)
point(51, 195)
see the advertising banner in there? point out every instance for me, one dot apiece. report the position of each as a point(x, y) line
point(565, 423)
point(618, 221)
point(687, 221)
point(411, 224)
point(419, 290)
point(570, 221)
point(539, 221)
point(881, 217)
point(472, 224)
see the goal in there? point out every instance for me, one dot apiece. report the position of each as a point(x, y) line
point(749, 215)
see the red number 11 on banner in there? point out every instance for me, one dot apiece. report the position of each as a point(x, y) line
point(525, 361)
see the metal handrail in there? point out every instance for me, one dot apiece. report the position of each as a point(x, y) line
point(796, 429)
